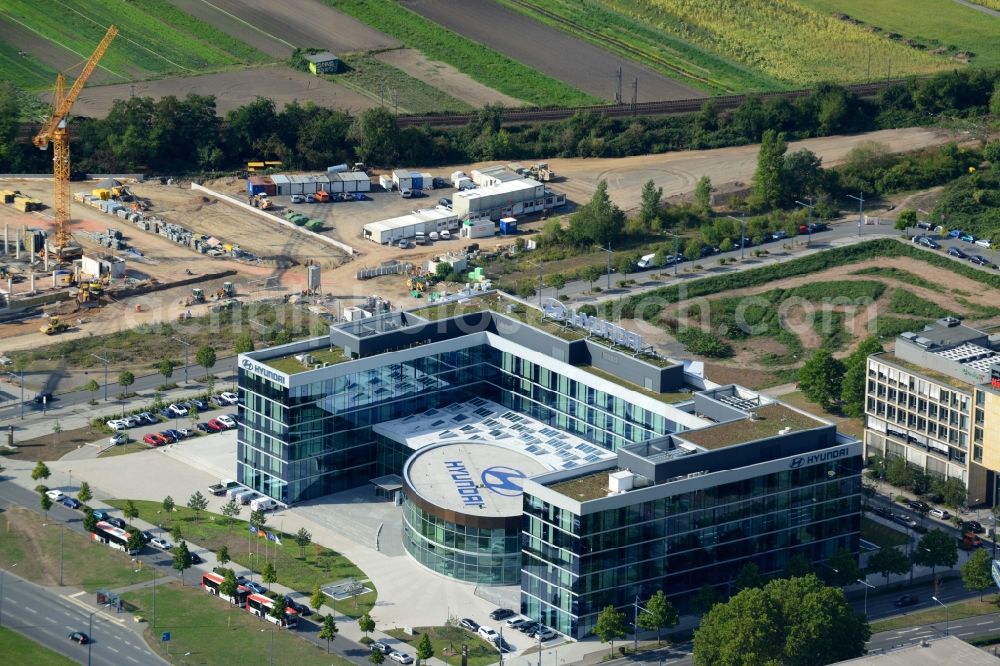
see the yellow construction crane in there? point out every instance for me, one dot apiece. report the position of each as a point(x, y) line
point(57, 132)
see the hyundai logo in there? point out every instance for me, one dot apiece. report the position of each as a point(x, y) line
point(797, 462)
point(503, 480)
point(247, 364)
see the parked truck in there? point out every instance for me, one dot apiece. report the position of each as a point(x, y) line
point(263, 504)
point(220, 488)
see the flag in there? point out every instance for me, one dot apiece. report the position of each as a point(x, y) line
point(261, 533)
point(253, 530)
point(274, 538)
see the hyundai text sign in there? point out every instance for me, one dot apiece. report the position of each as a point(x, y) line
point(253, 367)
point(817, 458)
point(464, 484)
point(598, 327)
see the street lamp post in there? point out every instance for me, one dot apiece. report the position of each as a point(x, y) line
point(947, 619)
point(538, 265)
point(90, 629)
point(743, 233)
point(861, 205)
point(187, 346)
point(608, 250)
point(101, 358)
point(867, 585)
point(809, 226)
point(3, 576)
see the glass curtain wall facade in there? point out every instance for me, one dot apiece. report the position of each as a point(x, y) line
point(316, 439)
point(574, 566)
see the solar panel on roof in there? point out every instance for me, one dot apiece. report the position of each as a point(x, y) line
point(482, 411)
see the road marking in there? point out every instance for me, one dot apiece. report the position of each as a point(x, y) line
point(980, 624)
point(131, 659)
point(31, 610)
point(906, 631)
point(112, 649)
point(78, 593)
point(49, 619)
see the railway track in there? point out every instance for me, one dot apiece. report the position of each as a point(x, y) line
point(663, 108)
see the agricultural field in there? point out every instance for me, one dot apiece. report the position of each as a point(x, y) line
point(935, 24)
point(400, 91)
point(155, 38)
point(761, 44)
point(483, 64)
point(22, 69)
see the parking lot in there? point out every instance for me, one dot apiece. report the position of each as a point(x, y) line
point(958, 245)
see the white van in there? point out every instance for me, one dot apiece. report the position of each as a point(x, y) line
point(246, 496)
point(235, 491)
point(984, 242)
point(263, 504)
point(646, 261)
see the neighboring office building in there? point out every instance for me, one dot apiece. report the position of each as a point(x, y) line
point(935, 401)
point(719, 477)
point(517, 196)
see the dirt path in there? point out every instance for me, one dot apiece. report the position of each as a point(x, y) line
point(446, 78)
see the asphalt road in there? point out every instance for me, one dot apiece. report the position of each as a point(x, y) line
point(48, 618)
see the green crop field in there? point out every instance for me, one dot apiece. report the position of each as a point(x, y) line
point(24, 71)
point(410, 94)
point(154, 38)
point(934, 23)
point(759, 44)
point(482, 64)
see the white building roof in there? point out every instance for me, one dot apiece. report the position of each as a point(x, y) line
point(509, 187)
point(416, 217)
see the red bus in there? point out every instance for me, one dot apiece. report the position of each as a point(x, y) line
point(113, 536)
point(211, 583)
point(261, 606)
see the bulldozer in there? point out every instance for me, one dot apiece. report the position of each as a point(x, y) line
point(260, 201)
point(228, 289)
point(54, 326)
point(197, 296)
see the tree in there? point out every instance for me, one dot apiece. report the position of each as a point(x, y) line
point(329, 630)
point(793, 621)
point(46, 504)
point(798, 565)
point(205, 358)
point(84, 494)
point(855, 379)
point(318, 598)
point(230, 510)
point(302, 539)
point(130, 511)
point(193, 415)
point(899, 472)
point(610, 625)
point(168, 504)
point(703, 195)
point(424, 648)
point(40, 471)
point(197, 503)
point(557, 281)
point(228, 586)
point(748, 577)
point(801, 174)
point(951, 491)
point(624, 265)
point(703, 600)
point(768, 180)
point(591, 274)
point(692, 249)
point(376, 657)
point(126, 379)
point(649, 202)
point(182, 558)
point(598, 221)
point(366, 624)
point(976, 572)
point(243, 344)
point(222, 555)
point(135, 540)
point(56, 429)
point(820, 378)
point(92, 387)
point(658, 614)
point(842, 568)
point(269, 573)
point(89, 521)
point(166, 368)
point(376, 136)
point(906, 219)
point(936, 548)
point(279, 608)
point(995, 100)
point(176, 532)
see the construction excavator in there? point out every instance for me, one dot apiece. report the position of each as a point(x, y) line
point(56, 132)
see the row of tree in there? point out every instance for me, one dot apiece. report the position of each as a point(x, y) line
point(173, 135)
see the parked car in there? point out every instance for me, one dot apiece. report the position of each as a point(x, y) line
point(116, 521)
point(906, 600)
point(501, 614)
point(133, 421)
point(43, 398)
point(147, 536)
point(203, 427)
point(200, 404)
point(955, 233)
point(118, 438)
point(256, 588)
point(400, 657)
point(957, 252)
point(228, 398)
point(816, 227)
point(153, 439)
point(358, 196)
point(226, 420)
point(71, 502)
point(215, 426)
point(166, 413)
point(55, 495)
point(444, 201)
point(528, 627)
point(488, 633)
point(310, 198)
point(927, 242)
point(148, 418)
point(968, 238)
point(882, 511)
point(100, 515)
point(779, 235)
point(469, 624)
point(917, 505)
point(516, 622)
point(162, 544)
point(985, 242)
point(543, 634)
point(167, 437)
point(196, 558)
point(980, 260)
point(117, 424)
point(178, 410)
point(973, 526)
point(904, 520)
point(186, 432)
point(404, 244)
point(176, 435)
point(79, 637)
point(301, 609)
point(297, 198)
point(941, 514)
point(380, 646)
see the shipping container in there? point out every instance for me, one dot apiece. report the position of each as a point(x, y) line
point(340, 168)
point(386, 182)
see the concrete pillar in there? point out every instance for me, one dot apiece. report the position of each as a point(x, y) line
point(10, 290)
point(53, 279)
point(32, 282)
point(5, 229)
point(46, 254)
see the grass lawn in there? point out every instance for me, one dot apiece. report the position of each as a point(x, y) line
point(122, 449)
point(852, 427)
point(411, 94)
point(207, 630)
point(35, 549)
point(940, 615)
point(447, 642)
point(881, 535)
point(319, 565)
point(16, 649)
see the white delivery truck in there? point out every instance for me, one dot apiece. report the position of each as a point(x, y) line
point(263, 504)
point(646, 261)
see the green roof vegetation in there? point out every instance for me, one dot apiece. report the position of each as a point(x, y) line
point(769, 421)
point(947, 380)
point(291, 365)
point(584, 488)
point(669, 397)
